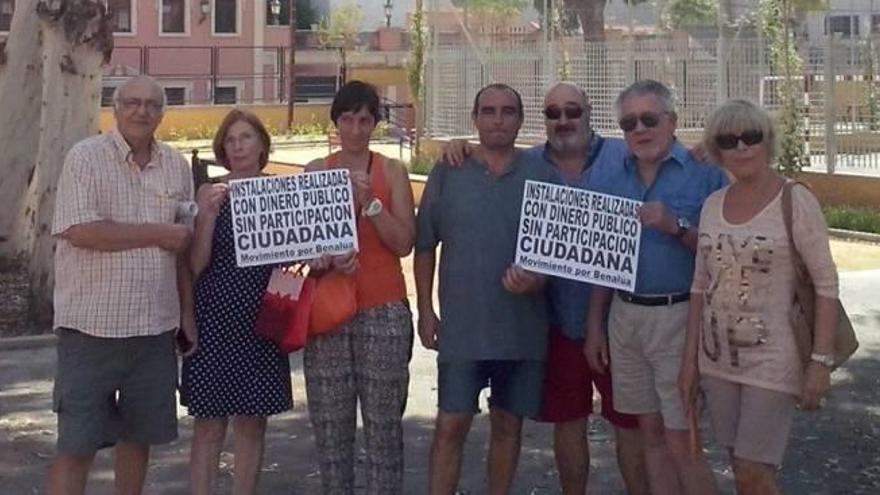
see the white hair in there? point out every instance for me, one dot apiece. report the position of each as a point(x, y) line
point(117, 93)
point(647, 87)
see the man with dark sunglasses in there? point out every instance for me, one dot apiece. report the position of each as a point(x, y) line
point(572, 149)
point(646, 327)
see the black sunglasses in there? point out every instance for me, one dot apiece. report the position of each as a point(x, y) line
point(649, 120)
point(571, 113)
point(730, 141)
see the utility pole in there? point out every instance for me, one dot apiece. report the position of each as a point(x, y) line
point(291, 71)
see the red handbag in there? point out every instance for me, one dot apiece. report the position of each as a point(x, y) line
point(284, 313)
point(333, 304)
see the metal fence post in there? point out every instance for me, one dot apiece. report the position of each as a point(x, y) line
point(830, 113)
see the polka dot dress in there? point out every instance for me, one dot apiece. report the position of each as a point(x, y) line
point(234, 372)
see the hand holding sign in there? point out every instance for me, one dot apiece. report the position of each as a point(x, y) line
point(210, 198)
point(517, 280)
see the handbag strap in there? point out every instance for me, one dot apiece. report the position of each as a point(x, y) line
point(800, 268)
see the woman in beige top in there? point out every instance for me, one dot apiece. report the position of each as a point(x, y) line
point(740, 343)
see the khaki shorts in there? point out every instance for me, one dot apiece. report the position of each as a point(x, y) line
point(754, 422)
point(646, 344)
point(110, 390)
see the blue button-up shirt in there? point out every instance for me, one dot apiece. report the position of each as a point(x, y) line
point(568, 299)
point(666, 266)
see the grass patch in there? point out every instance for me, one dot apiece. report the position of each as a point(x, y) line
point(860, 219)
point(421, 164)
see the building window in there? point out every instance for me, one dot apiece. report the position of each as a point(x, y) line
point(875, 24)
point(107, 96)
point(6, 9)
point(225, 16)
point(175, 96)
point(225, 95)
point(120, 15)
point(283, 18)
point(845, 25)
point(173, 20)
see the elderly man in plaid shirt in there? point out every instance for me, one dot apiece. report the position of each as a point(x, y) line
point(122, 293)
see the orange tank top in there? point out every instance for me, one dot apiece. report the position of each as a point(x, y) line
point(379, 277)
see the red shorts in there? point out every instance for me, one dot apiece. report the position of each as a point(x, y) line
point(568, 385)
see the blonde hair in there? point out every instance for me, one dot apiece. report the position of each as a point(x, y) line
point(737, 116)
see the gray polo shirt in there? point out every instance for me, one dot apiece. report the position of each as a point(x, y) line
point(476, 217)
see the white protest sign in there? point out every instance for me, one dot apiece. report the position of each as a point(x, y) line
point(278, 219)
point(579, 235)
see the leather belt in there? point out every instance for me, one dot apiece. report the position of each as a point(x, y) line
point(667, 300)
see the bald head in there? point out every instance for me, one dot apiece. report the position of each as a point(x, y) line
point(567, 118)
point(567, 91)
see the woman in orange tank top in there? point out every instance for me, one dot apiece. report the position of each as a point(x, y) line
point(367, 358)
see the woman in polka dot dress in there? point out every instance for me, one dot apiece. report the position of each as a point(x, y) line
point(234, 373)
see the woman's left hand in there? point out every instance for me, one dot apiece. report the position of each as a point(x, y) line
point(817, 381)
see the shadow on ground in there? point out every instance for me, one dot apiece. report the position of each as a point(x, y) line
point(833, 451)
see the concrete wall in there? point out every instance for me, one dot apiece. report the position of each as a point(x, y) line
point(851, 190)
point(191, 119)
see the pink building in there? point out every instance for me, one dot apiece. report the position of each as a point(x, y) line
point(229, 51)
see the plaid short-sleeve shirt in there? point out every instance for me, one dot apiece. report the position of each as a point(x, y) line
point(127, 293)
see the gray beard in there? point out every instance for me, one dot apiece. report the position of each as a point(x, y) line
point(568, 144)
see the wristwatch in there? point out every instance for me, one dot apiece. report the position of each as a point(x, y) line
point(373, 208)
point(826, 360)
point(683, 225)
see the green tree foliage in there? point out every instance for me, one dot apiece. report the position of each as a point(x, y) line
point(775, 16)
point(342, 28)
point(681, 13)
point(415, 70)
point(495, 9)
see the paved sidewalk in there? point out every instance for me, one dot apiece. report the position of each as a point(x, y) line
point(834, 451)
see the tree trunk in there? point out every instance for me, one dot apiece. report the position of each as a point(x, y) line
point(78, 39)
point(21, 86)
point(591, 14)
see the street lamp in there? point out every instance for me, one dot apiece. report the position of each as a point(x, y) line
point(275, 9)
point(388, 8)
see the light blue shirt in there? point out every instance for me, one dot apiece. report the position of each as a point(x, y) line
point(567, 299)
point(666, 266)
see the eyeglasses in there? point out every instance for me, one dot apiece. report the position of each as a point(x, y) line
point(554, 113)
point(648, 119)
point(133, 104)
point(730, 141)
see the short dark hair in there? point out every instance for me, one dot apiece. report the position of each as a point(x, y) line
point(503, 87)
point(353, 96)
point(231, 118)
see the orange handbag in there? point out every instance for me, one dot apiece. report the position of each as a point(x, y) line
point(334, 302)
point(284, 313)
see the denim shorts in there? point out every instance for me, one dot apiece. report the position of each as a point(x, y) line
point(109, 390)
point(516, 386)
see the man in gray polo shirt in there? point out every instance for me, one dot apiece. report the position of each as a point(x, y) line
point(493, 331)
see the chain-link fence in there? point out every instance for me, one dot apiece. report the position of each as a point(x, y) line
point(840, 85)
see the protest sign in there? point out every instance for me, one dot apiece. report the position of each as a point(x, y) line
point(579, 235)
point(278, 219)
